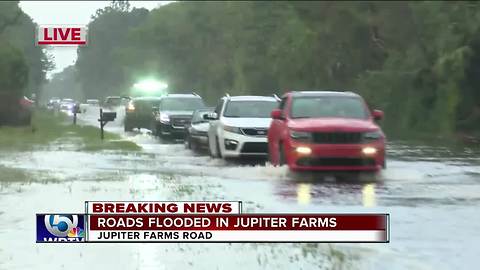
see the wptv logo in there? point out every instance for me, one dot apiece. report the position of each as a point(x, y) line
point(60, 228)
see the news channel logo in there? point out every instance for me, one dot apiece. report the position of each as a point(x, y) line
point(60, 228)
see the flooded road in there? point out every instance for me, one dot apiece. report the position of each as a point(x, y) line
point(432, 194)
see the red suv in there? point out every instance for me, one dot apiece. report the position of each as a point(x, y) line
point(326, 130)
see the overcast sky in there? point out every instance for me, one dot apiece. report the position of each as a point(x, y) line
point(70, 12)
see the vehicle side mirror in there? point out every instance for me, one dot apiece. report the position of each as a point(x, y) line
point(377, 115)
point(277, 114)
point(210, 116)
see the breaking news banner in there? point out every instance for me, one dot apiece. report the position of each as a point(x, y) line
point(61, 35)
point(239, 228)
point(163, 207)
point(206, 221)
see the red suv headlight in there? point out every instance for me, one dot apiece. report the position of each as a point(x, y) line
point(371, 136)
point(301, 136)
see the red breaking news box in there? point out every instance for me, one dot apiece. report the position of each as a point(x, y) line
point(239, 228)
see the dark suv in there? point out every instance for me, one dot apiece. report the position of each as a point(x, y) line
point(138, 112)
point(174, 113)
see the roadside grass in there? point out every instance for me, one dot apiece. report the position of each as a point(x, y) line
point(12, 175)
point(55, 128)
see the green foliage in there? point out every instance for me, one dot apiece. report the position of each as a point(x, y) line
point(22, 64)
point(418, 61)
point(100, 71)
point(63, 85)
point(13, 70)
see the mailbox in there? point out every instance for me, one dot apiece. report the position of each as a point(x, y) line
point(76, 108)
point(109, 116)
point(105, 117)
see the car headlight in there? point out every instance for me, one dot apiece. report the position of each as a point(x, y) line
point(130, 107)
point(232, 129)
point(372, 136)
point(301, 136)
point(164, 118)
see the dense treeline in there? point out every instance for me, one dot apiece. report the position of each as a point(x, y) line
point(418, 61)
point(100, 69)
point(22, 65)
point(64, 84)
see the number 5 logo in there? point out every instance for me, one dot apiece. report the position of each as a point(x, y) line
point(60, 225)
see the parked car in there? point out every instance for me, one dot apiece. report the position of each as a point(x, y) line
point(89, 103)
point(24, 113)
point(125, 100)
point(93, 102)
point(53, 103)
point(197, 131)
point(174, 114)
point(15, 111)
point(138, 112)
point(67, 105)
point(238, 126)
point(326, 130)
point(113, 102)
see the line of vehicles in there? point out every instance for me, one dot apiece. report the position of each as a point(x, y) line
point(68, 105)
point(306, 130)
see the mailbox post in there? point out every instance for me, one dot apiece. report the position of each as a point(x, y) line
point(76, 109)
point(105, 117)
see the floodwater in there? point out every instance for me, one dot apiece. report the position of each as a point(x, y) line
point(432, 194)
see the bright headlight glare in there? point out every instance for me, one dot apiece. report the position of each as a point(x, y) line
point(164, 117)
point(304, 150)
point(369, 150)
point(150, 85)
point(232, 129)
point(130, 107)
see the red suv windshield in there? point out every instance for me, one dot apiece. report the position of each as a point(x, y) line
point(316, 107)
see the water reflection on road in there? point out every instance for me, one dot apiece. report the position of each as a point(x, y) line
point(432, 194)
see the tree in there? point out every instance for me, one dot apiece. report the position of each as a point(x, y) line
point(20, 57)
point(13, 70)
point(419, 61)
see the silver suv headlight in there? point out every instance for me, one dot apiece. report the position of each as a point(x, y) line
point(164, 118)
point(232, 129)
point(301, 136)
